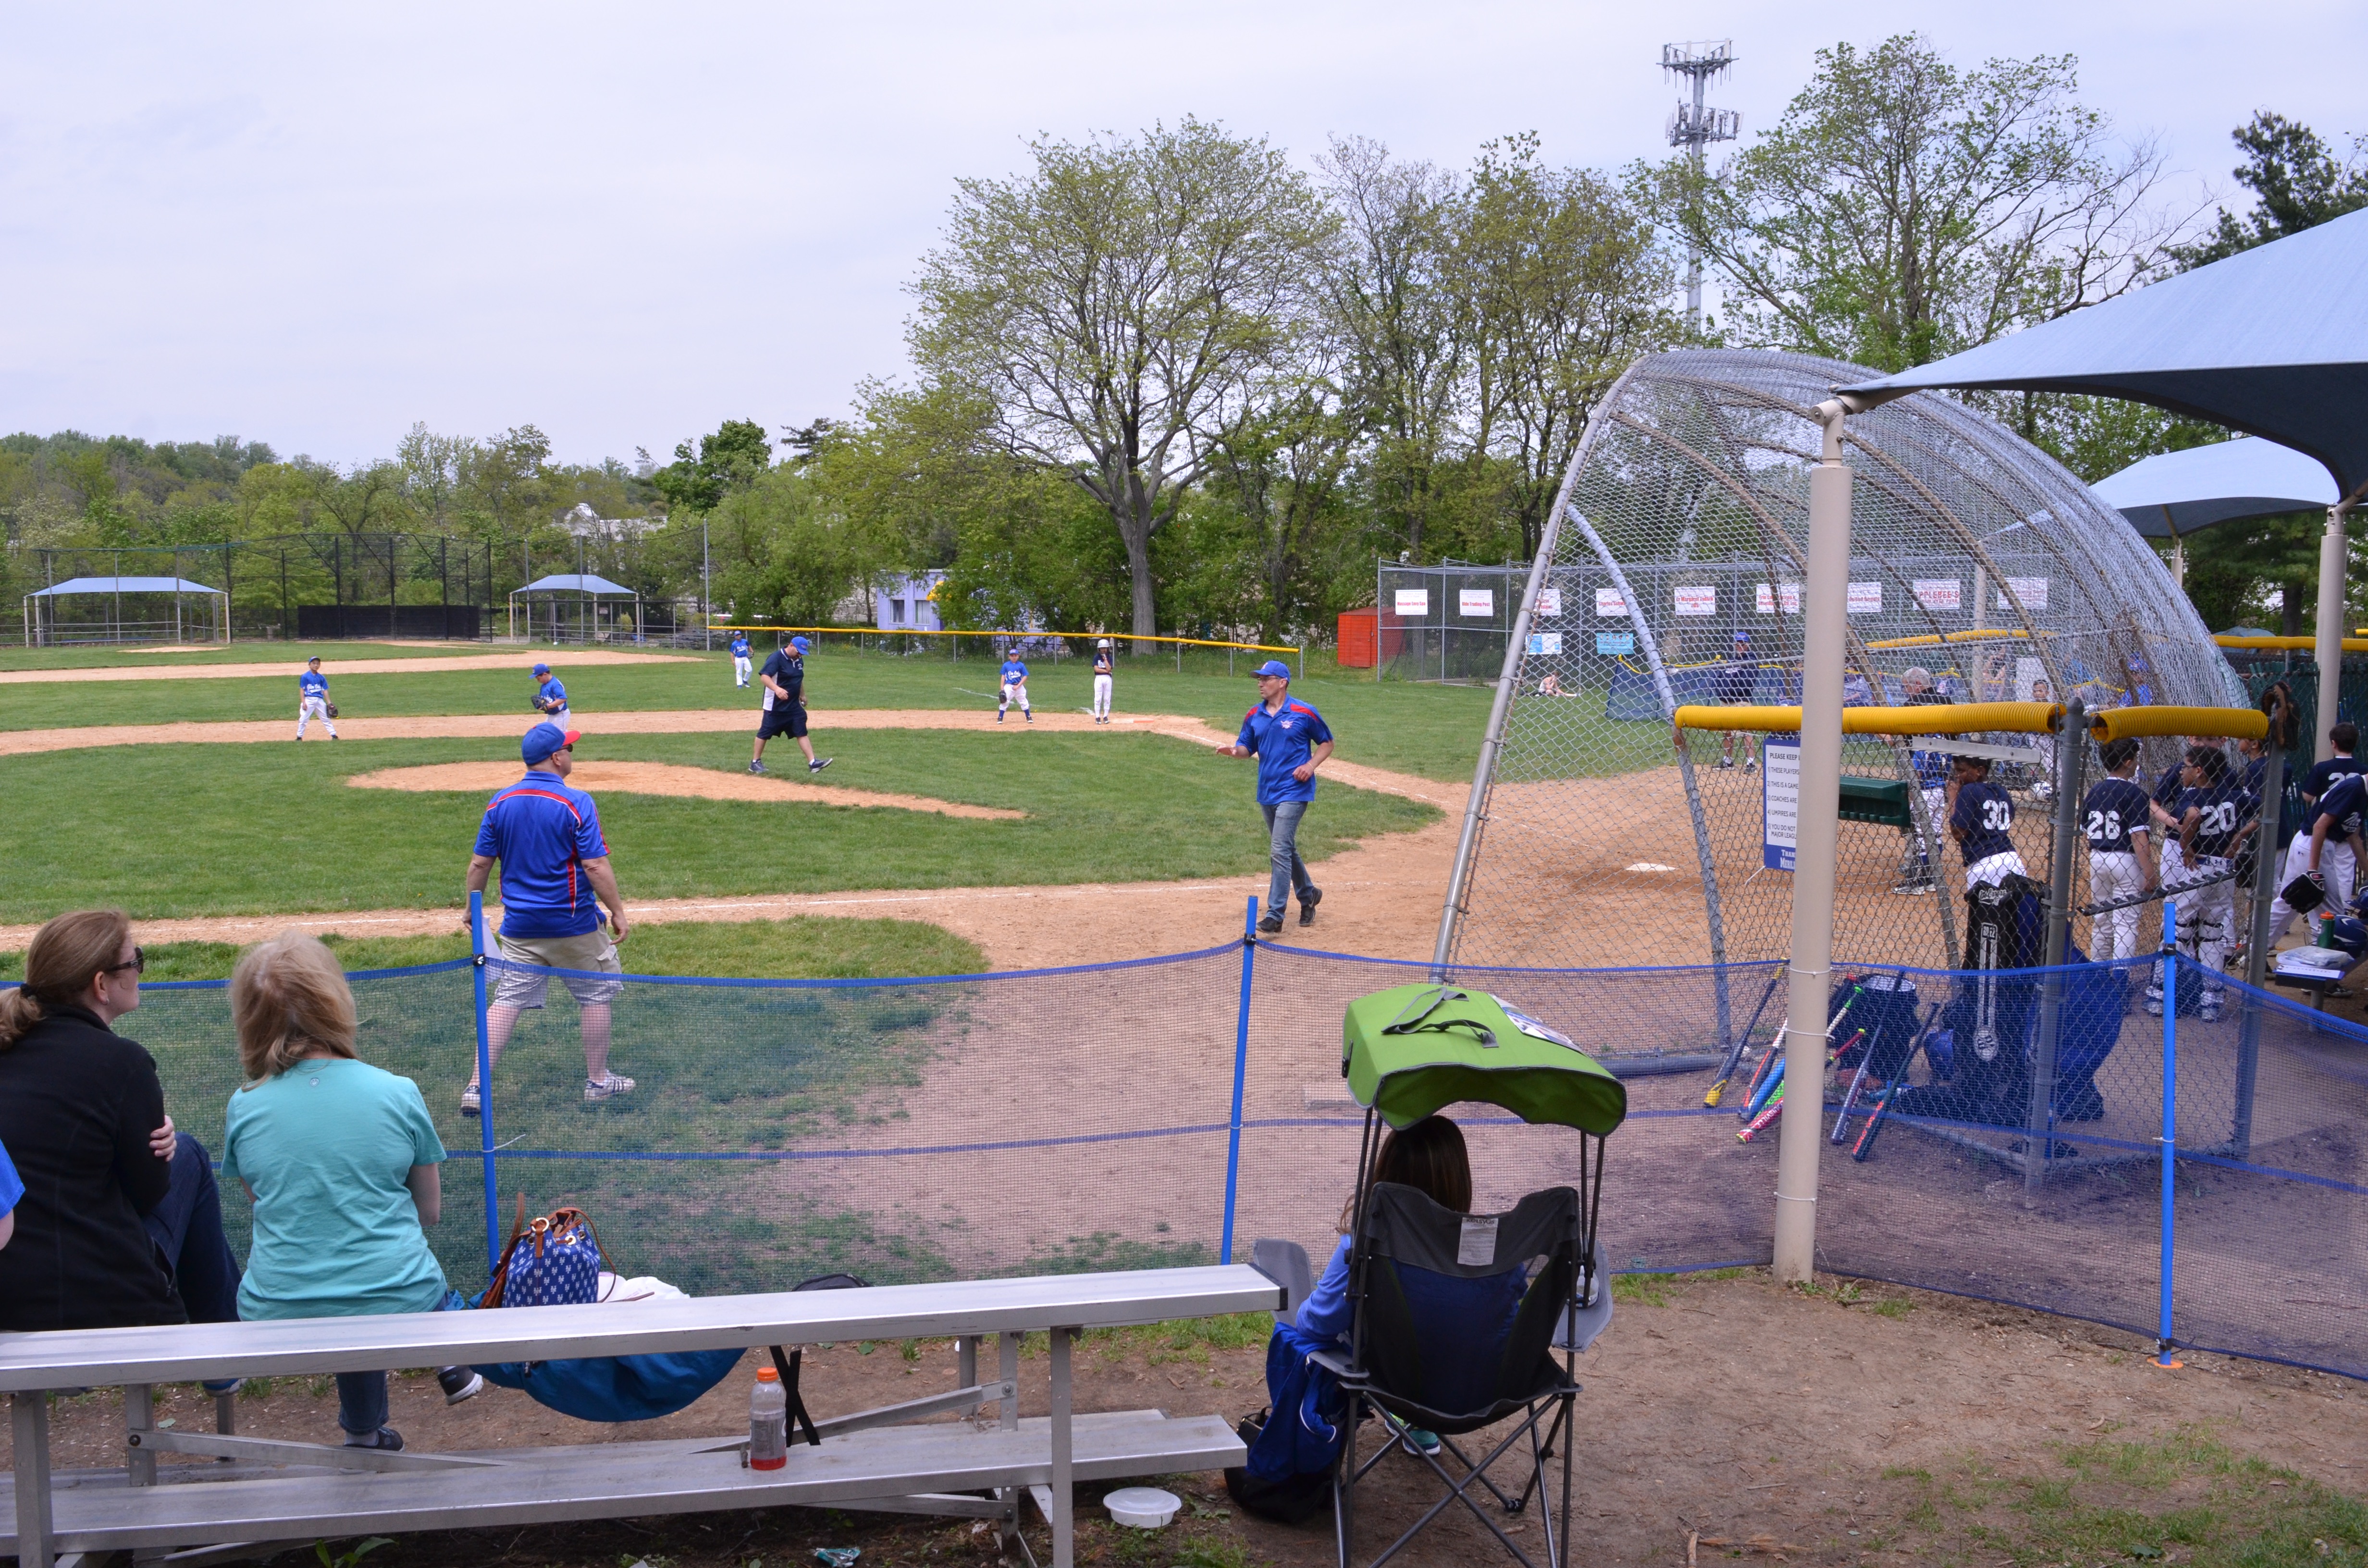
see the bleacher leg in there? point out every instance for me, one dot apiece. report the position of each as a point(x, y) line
point(29, 1426)
point(1064, 1523)
point(1007, 1367)
point(140, 1415)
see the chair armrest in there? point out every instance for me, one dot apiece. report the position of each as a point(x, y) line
point(1287, 1264)
point(1580, 1328)
point(1338, 1365)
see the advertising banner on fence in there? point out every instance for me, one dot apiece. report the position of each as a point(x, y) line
point(1547, 642)
point(1940, 593)
point(1790, 593)
point(1615, 643)
point(2031, 591)
point(1609, 602)
point(1475, 601)
point(1866, 598)
point(1698, 601)
point(1414, 602)
point(1779, 801)
point(1549, 604)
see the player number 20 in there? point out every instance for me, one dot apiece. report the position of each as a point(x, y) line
point(2221, 818)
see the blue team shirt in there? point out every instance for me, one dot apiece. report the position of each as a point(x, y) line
point(2224, 807)
point(551, 691)
point(1283, 742)
point(1013, 672)
point(1985, 811)
point(12, 1187)
point(1102, 661)
point(2114, 811)
point(788, 669)
point(2346, 800)
point(542, 832)
point(2323, 775)
point(739, 647)
point(312, 683)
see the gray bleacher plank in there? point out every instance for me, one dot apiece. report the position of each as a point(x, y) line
point(609, 1481)
point(292, 1346)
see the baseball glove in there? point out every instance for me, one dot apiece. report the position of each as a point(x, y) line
point(333, 709)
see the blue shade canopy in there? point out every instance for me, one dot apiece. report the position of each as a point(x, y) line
point(121, 585)
point(2226, 482)
point(578, 582)
point(2273, 341)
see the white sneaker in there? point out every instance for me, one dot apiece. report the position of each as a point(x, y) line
point(607, 1087)
point(469, 1104)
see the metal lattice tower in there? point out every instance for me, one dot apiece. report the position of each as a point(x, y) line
point(1694, 127)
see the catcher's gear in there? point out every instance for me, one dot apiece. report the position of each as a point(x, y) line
point(333, 709)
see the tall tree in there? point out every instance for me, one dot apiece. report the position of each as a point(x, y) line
point(732, 458)
point(1903, 209)
point(2296, 181)
point(1113, 302)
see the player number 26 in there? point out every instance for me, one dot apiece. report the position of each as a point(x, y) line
point(2104, 826)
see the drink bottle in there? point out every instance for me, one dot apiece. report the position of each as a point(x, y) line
point(768, 1423)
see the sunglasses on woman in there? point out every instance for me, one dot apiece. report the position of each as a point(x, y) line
point(139, 962)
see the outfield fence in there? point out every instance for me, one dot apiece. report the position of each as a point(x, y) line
point(2204, 1183)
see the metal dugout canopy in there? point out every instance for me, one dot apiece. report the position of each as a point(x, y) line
point(2272, 341)
point(114, 588)
point(586, 589)
point(2172, 495)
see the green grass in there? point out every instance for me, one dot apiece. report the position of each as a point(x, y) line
point(804, 948)
point(191, 830)
point(2187, 1497)
point(1429, 731)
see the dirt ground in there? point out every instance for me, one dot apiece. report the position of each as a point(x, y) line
point(667, 779)
point(523, 659)
point(1725, 1410)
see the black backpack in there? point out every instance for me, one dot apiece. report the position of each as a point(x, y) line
point(1292, 1501)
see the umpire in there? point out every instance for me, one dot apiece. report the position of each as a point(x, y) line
point(554, 863)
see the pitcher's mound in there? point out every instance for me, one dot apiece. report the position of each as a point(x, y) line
point(667, 779)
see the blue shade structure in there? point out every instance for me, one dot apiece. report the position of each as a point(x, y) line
point(2273, 341)
point(2173, 495)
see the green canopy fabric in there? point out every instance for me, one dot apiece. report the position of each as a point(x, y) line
point(1413, 1049)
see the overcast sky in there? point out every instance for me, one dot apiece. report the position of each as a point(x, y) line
point(313, 225)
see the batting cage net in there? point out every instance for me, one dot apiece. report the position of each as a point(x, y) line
point(1175, 1110)
point(1980, 571)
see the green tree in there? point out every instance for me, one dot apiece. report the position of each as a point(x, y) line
point(1114, 302)
point(2296, 181)
point(781, 550)
point(1903, 209)
point(732, 458)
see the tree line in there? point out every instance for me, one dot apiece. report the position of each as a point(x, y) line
point(1178, 380)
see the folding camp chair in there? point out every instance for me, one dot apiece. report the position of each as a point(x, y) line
point(1457, 1317)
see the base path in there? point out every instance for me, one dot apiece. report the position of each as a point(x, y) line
point(291, 668)
point(791, 784)
point(1380, 898)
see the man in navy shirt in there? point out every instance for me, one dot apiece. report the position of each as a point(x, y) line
point(554, 866)
point(1982, 822)
point(784, 680)
point(1291, 741)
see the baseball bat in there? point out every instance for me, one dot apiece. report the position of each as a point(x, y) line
point(1775, 1107)
point(1742, 1043)
point(1865, 1144)
point(1767, 1087)
point(1858, 1079)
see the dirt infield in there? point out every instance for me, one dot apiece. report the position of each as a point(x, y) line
point(666, 779)
point(521, 660)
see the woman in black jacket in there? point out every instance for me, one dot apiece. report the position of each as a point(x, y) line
point(121, 1224)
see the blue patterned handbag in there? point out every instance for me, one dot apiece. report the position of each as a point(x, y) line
point(552, 1261)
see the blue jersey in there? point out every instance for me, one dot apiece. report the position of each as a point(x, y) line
point(788, 668)
point(2114, 811)
point(1986, 814)
point(739, 647)
point(542, 832)
point(1102, 661)
point(1014, 673)
point(553, 695)
point(2343, 804)
point(1282, 742)
point(313, 682)
point(2323, 775)
point(2221, 810)
point(12, 1187)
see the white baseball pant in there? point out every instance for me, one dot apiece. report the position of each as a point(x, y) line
point(2114, 874)
point(310, 709)
point(1101, 696)
point(2335, 867)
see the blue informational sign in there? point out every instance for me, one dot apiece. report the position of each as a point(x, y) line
point(1547, 644)
point(1615, 642)
point(1779, 801)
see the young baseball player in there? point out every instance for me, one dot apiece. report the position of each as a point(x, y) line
point(313, 698)
point(1932, 769)
point(2336, 824)
point(1103, 670)
point(1732, 687)
point(1982, 822)
point(2338, 870)
point(1015, 688)
point(2114, 819)
point(740, 658)
point(785, 677)
point(2217, 815)
point(550, 698)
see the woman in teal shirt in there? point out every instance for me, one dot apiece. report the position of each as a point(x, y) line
point(341, 1160)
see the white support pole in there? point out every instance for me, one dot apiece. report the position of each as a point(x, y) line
point(2329, 638)
point(1824, 592)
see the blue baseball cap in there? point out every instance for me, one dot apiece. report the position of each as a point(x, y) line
point(545, 739)
point(800, 644)
point(1273, 667)
point(542, 669)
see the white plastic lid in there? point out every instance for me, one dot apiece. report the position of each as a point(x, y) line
point(1145, 1507)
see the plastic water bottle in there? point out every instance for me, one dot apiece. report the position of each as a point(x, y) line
point(768, 1423)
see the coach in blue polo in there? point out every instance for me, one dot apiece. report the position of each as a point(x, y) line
point(554, 865)
point(1291, 741)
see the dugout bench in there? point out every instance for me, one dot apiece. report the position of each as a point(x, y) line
point(891, 1461)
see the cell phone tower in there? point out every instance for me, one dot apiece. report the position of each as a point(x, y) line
point(1693, 127)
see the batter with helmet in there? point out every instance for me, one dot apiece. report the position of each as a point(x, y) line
point(1103, 670)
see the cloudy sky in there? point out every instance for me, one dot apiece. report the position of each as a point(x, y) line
point(313, 225)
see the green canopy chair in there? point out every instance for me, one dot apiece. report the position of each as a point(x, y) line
point(1417, 1354)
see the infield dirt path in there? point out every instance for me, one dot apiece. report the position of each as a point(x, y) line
point(1380, 898)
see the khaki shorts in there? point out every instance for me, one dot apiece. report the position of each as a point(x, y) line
point(524, 988)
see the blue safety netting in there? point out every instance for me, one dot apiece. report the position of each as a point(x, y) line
point(1086, 1118)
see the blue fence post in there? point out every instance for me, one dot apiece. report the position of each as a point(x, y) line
point(2163, 1357)
point(1241, 1070)
point(484, 1083)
